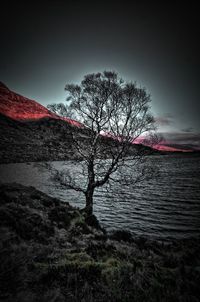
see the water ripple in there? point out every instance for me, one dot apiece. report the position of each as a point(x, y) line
point(167, 207)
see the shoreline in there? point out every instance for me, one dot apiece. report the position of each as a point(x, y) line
point(147, 201)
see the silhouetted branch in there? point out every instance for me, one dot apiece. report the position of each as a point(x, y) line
point(116, 115)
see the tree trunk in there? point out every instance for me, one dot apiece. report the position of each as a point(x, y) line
point(90, 188)
point(89, 202)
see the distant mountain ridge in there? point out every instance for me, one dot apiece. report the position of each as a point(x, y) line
point(21, 108)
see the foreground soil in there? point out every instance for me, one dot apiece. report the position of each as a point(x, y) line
point(50, 252)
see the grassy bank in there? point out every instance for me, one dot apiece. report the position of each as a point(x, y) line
point(49, 252)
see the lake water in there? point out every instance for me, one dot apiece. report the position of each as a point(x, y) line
point(166, 207)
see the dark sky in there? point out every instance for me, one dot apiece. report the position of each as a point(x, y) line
point(49, 44)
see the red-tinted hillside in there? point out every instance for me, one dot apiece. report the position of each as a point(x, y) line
point(21, 108)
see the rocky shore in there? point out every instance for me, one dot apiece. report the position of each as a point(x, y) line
point(50, 252)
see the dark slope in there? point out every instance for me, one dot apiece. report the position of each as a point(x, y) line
point(44, 139)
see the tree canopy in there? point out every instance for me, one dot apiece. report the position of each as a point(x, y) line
point(115, 115)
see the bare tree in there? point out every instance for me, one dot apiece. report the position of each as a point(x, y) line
point(115, 115)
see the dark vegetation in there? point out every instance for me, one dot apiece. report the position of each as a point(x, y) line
point(50, 252)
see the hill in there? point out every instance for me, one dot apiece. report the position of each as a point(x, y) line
point(30, 132)
point(48, 139)
point(21, 108)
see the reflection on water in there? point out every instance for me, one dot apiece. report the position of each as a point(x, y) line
point(165, 207)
